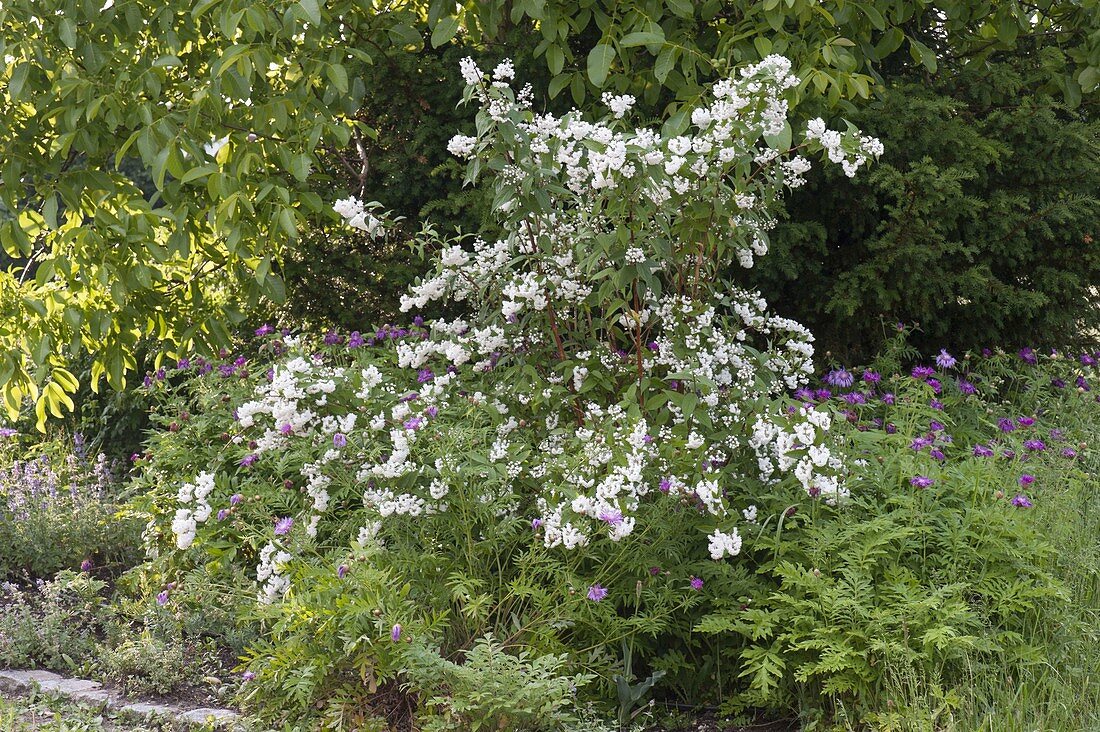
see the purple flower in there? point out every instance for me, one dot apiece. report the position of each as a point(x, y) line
point(86, 565)
point(937, 454)
point(183, 364)
point(395, 632)
point(1026, 479)
point(162, 598)
point(872, 377)
point(1082, 384)
point(614, 518)
point(235, 499)
point(8, 432)
point(342, 571)
point(248, 675)
point(1028, 356)
point(286, 429)
point(413, 423)
point(1087, 360)
point(535, 524)
point(282, 526)
point(696, 584)
point(332, 338)
point(823, 395)
point(653, 346)
point(935, 426)
point(945, 360)
point(1035, 445)
point(891, 428)
point(965, 387)
point(982, 451)
point(1058, 383)
point(597, 593)
point(1004, 424)
point(418, 321)
point(339, 440)
point(1069, 452)
point(1025, 421)
point(432, 411)
point(424, 375)
point(222, 513)
point(265, 330)
point(855, 397)
point(936, 404)
point(355, 340)
point(248, 460)
point(887, 398)
point(839, 378)
point(919, 443)
point(922, 372)
point(920, 481)
point(936, 386)
point(804, 394)
point(654, 571)
point(665, 485)
point(1021, 501)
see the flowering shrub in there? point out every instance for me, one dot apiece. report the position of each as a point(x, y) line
point(571, 465)
point(57, 510)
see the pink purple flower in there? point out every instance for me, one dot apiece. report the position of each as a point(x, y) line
point(921, 481)
point(340, 440)
point(162, 597)
point(1028, 356)
point(1035, 445)
point(965, 387)
point(922, 372)
point(945, 360)
point(1021, 501)
point(1026, 479)
point(696, 584)
point(395, 632)
point(982, 451)
point(597, 593)
point(840, 378)
point(283, 525)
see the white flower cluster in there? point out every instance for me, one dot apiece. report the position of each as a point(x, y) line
point(797, 444)
point(270, 573)
point(357, 216)
point(850, 156)
point(194, 509)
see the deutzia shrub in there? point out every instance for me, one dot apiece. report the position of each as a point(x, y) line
point(579, 451)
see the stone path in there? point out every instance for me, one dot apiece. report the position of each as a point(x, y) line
point(96, 694)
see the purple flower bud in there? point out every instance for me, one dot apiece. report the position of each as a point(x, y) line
point(86, 565)
point(265, 330)
point(162, 598)
point(222, 513)
point(339, 440)
point(248, 675)
point(342, 571)
point(235, 499)
point(395, 633)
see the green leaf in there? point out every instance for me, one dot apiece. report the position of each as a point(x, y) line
point(642, 38)
point(599, 63)
point(891, 41)
point(444, 30)
point(67, 32)
point(922, 54)
point(312, 9)
point(1089, 79)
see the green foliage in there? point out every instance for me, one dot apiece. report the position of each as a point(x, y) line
point(53, 625)
point(980, 223)
point(59, 507)
point(494, 689)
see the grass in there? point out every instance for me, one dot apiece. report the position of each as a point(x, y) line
point(1059, 689)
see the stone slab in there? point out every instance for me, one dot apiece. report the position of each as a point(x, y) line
point(68, 687)
point(208, 714)
point(142, 709)
point(27, 678)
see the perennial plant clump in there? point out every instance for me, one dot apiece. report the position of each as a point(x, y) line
point(604, 403)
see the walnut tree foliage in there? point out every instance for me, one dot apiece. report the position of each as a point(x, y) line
point(238, 111)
